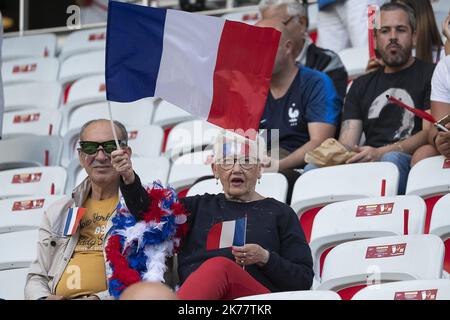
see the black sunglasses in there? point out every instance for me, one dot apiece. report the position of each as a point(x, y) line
point(91, 147)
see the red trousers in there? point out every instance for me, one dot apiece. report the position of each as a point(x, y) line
point(219, 278)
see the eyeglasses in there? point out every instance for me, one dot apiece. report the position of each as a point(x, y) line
point(92, 147)
point(244, 162)
point(286, 22)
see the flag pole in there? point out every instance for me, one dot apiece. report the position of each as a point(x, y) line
point(113, 126)
point(245, 236)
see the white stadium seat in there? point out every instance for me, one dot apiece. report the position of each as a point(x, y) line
point(83, 41)
point(32, 181)
point(137, 113)
point(18, 249)
point(24, 213)
point(430, 180)
point(30, 151)
point(188, 168)
point(31, 122)
point(295, 295)
point(355, 60)
point(273, 185)
point(190, 136)
point(13, 283)
point(85, 91)
point(351, 266)
point(82, 65)
point(168, 115)
point(39, 46)
point(364, 218)
point(407, 290)
point(30, 70)
point(317, 188)
point(39, 95)
point(440, 226)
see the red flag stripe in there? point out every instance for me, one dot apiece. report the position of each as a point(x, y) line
point(238, 99)
point(420, 113)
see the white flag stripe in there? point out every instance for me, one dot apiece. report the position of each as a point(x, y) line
point(72, 220)
point(227, 234)
point(185, 53)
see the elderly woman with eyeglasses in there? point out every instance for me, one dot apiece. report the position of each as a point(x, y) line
point(274, 255)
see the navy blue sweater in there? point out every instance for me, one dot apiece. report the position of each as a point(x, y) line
point(270, 223)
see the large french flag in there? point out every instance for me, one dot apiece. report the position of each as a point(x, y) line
point(215, 69)
point(226, 234)
point(73, 219)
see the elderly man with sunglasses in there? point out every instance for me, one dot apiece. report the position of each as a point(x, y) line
point(70, 261)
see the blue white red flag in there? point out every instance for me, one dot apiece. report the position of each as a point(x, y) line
point(215, 69)
point(73, 219)
point(226, 234)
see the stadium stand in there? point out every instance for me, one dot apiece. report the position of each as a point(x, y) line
point(30, 70)
point(265, 188)
point(351, 266)
point(29, 151)
point(85, 91)
point(431, 189)
point(44, 122)
point(37, 95)
point(13, 283)
point(82, 65)
point(83, 41)
point(136, 113)
point(24, 244)
point(190, 136)
point(317, 188)
point(350, 220)
point(407, 290)
point(32, 181)
point(34, 46)
point(440, 226)
point(24, 213)
point(355, 61)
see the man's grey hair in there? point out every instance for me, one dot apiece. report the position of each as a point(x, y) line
point(122, 135)
point(294, 8)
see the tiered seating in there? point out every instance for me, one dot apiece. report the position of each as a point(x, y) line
point(190, 136)
point(24, 213)
point(440, 226)
point(273, 185)
point(30, 151)
point(83, 41)
point(407, 290)
point(31, 122)
point(39, 95)
point(30, 70)
point(13, 283)
point(319, 187)
point(355, 61)
point(32, 181)
point(351, 266)
point(136, 113)
point(17, 249)
point(82, 65)
point(34, 46)
point(364, 218)
point(429, 179)
point(85, 91)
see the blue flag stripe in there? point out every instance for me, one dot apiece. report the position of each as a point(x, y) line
point(134, 45)
point(68, 220)
point(239, 232)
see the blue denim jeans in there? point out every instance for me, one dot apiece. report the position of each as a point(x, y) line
point(400, 159)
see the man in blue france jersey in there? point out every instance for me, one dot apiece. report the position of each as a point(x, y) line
point(302, 104)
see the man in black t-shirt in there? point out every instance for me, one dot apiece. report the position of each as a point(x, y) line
point(391, 133)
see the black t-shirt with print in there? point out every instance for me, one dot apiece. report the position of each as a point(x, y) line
point(385, 123)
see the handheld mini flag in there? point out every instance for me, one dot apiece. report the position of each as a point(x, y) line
point(226, 234)
point(73, 219)
point(215, 69)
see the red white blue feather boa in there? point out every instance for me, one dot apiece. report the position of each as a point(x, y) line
point(137, 250)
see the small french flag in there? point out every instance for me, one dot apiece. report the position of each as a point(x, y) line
point(226, 234)
point(73, 219)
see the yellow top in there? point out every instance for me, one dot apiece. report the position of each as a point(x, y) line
point(85, 273)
